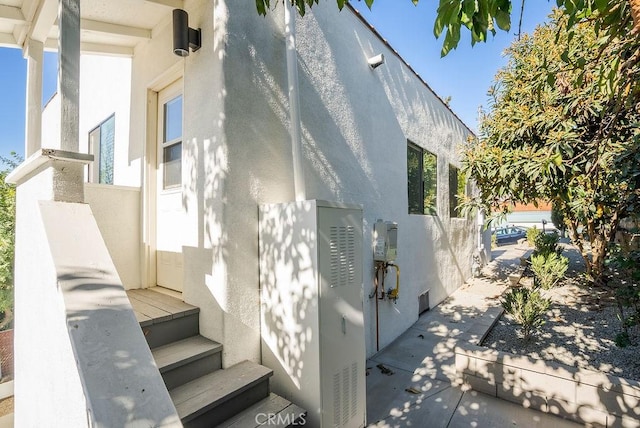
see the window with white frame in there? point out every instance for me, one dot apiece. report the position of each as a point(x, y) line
point(101, 145)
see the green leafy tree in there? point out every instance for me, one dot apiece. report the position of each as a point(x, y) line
point(7, 239)
point(483, 17)
point(564, 127)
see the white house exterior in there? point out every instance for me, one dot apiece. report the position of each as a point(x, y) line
point(182, 211)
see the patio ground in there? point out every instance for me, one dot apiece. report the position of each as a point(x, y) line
point(410, 383)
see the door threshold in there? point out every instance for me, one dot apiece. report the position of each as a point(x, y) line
point(167, 291)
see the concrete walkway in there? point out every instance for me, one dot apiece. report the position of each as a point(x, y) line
point(421, 390)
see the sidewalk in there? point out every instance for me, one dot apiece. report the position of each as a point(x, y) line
point(420, 392)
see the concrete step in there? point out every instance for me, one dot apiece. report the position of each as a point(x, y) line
point(216, 397)
point(187, 359)
point(273, 411)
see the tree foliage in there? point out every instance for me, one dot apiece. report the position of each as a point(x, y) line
point(564, 126)
point(7, 239)
point(483, 17)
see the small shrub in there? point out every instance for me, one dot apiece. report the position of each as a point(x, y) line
point(622, 340)
point(494, 241)
point(527, 307)
point(625, 269)
point(547, 243)
point(532, 233)
point(548, 269)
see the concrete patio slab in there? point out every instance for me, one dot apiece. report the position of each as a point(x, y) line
point(423, 358)
point(434, 411)
point(391, 395)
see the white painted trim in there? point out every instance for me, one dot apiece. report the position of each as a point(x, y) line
point(114, 29)
point(149, 197)
point(176, 4)
point(8, 41)
point(114, 186)
point(6, 389)
point(173, 73)
point(7, 421)
point(51, 45)
point(43, 19)
point(11, 13)
point(42, 159)
point(148, 222)
point(34, 51)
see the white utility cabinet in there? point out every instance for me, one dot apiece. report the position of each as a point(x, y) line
point(311, 308)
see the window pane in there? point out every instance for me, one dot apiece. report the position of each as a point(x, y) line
point(107, 138)
point(172, 160)
point(94, 149)
point(414, 172)
point(173, 119)
point(430, 177)
point(457, 190)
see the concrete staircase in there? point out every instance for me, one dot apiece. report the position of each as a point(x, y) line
point(204, 394)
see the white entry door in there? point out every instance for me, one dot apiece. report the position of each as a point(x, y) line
point(169, 210)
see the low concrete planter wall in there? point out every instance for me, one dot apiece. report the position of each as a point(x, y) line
point(588, 397)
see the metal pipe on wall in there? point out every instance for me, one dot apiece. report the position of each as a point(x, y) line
point(294, 100)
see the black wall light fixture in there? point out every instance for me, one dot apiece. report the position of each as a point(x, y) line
point(183, 36)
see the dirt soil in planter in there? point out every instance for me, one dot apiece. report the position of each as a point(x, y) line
point(580, 331)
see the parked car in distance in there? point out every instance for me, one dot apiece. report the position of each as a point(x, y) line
point(510, 234)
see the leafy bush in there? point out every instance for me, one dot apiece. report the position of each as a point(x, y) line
point(7, 239)
point(625, 269)
point(527, 307)
point(547, 243)
point(532, 233)
point(548, 269)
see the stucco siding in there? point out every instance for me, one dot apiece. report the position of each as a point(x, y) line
point(237, 155)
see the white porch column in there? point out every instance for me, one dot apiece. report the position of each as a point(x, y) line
point(68, 182)
point(33, 122)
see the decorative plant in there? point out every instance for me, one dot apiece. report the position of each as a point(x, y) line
point(532, 233)
point(548, 269)
point(527, 307)
point(625, 276)
point(547, 243)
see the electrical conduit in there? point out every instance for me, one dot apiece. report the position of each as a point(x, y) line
point(294, 100)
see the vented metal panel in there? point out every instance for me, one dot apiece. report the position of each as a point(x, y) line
point(324, 369)
point(341, 324)
point(345, 394)
point(342, 242)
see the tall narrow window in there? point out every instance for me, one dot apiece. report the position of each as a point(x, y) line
point(457, 190)
point(101, 145)
point(422, 180)
point(172, 143)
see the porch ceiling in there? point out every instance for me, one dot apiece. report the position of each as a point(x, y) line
point(107, 26)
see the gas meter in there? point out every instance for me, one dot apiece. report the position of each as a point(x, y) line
point(385, 238)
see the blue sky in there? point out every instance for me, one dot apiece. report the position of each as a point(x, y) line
point(13, 78)
point(464, 75)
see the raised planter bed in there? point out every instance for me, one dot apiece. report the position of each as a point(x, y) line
point(585, 396)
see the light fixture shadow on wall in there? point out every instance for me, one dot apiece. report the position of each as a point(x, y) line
point(183, 36)
point(376, 61)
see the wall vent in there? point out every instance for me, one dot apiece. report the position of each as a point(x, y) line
point(423, 302)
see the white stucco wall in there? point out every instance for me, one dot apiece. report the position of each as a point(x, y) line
point(42, 347)
point(356, 123)
point(105, 89)
point(117, 213)
point(237, 156)
point(81, 358)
